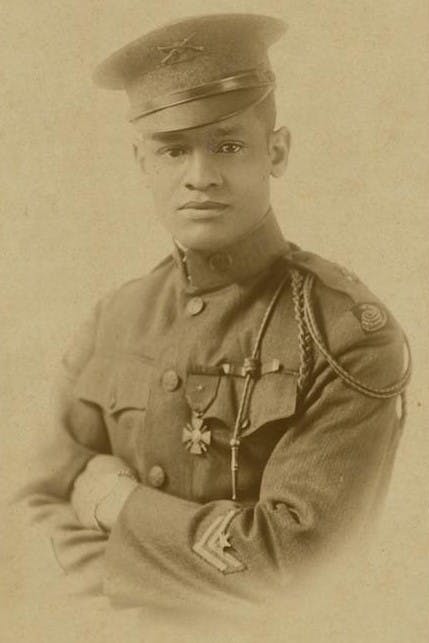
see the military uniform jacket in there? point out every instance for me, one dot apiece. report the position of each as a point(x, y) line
point(157, 377)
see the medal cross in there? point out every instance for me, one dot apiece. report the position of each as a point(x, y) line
point(196, 436)
point(176, 51)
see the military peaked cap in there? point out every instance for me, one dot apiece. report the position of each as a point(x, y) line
point(194, 71)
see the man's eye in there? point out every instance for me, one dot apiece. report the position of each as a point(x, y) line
point(230, 148)
point(173, 152)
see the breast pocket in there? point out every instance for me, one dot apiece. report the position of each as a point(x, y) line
point(273, 397)
point(120, 386)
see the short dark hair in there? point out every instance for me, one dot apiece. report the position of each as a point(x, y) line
point(266, 112)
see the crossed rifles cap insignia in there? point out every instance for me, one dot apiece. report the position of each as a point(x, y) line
point(178, 51)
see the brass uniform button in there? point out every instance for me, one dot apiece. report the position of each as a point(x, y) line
point(157, 476)
point(170, 380)
point(348, 274)
point(195, 306)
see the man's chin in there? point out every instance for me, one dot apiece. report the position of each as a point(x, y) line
point(209, 234)
point(204, 237)
point(203, 245)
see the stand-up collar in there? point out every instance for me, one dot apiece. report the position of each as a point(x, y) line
point(245, 258)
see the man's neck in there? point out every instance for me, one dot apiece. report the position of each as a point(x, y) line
point(245, 257)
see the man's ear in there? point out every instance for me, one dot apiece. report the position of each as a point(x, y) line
point(279, 146)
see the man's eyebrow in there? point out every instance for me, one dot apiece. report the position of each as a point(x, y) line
point(168, 137)
point(228, 131)
point(165, 137)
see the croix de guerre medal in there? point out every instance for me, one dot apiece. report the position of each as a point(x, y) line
point(196, 436)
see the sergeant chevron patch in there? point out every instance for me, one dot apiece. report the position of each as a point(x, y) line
point(214, 541)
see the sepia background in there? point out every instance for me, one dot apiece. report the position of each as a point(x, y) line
point(77, 222)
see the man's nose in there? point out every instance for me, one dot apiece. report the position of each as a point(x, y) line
point(202, 172)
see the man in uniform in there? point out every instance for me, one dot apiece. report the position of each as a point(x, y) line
point(231, 417)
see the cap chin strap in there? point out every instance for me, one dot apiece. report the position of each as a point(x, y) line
point(219, 119)
point(246, 80)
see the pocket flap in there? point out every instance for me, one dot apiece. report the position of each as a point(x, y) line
point(115, 383)
point(201, 390)
point(273, 398)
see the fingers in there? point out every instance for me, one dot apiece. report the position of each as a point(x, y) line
point(107, 511)
point(105, 483)
point(101, 464)
point(88, 490)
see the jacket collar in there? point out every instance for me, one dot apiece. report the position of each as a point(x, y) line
point(241, 260)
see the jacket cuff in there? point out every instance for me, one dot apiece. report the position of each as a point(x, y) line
point(162, 545)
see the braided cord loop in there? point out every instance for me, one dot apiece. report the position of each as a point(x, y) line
point(308, 332)
point(304, 337)
point(381, 393)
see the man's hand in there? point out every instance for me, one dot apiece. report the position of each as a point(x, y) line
point(101, 490)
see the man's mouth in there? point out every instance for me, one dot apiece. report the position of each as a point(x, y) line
point(203, 205)
point(202, 210)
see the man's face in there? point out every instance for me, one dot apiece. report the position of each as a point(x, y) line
point(210, 184)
